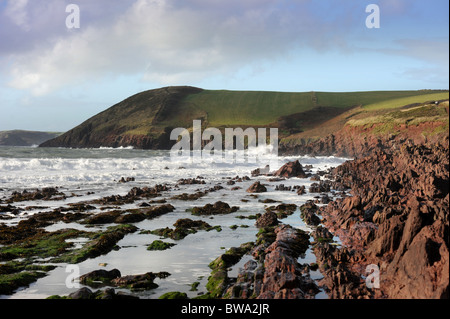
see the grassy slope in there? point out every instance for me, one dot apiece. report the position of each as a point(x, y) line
point(395, 103)
point(152, 112)
point(385, 110)
point(247, 108)
point(390, 121)
point(262, 108)
point(135, 116)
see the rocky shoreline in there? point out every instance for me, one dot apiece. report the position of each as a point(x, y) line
point(396, 219)
point(387, 209)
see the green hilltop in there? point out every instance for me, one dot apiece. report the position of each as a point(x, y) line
point(146, 119)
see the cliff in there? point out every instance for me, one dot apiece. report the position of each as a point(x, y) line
point(25, 138)
point(308, 121)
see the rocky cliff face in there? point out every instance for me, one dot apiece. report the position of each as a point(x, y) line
point(396, 219)
point(359, 141)
point(25, 138)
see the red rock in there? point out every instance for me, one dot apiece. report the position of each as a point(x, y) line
point(396, 218)
point(292, 169)
point(257, 187)
point(267, 219)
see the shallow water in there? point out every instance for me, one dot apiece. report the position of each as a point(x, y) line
point(78, 172)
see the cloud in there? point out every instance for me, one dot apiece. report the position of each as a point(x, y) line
point(433, 52)
point(165, 41)
point(168, 41)
point(16, 11)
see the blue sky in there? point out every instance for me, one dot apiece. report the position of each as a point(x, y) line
point(53, 78)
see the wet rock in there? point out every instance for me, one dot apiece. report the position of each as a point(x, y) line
point(183, 227)
point(133, 195)
point(87, 294)
point(174, 295)
point(44, 194)
point(103, 218)
point(267, 201)
point(257, 188)
point(83, 294)
point(79, 207)
point(191, 181)
point(283, 210)
point(301, 190)
point(139, 282)
point(325, 199)
point(160, 245)
point(267, 219)
point(308, 214)
point(282, 274)
point(103, 243)
point(100, 276)
point(321, 187)
point(275, 272)
point(157, 211)
point(190, 197)
point(395, 218)
point(124, 180)
point(322, 234)
point(281, 187)
point(218, 208)
point(219, 280)
point(261, 171)
point(292, 169)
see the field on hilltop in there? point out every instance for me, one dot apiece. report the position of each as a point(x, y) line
point(145, 120)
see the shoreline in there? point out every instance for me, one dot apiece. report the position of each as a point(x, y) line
point(361, 220)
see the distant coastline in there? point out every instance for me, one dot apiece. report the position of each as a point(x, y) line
point(25, 138)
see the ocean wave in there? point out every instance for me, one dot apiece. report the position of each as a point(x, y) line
point(147, 167)
point(116, 148)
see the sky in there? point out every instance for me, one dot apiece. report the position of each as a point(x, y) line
point(53, 77)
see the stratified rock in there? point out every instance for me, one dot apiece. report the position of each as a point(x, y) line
point(282, 275)
point(397, 218)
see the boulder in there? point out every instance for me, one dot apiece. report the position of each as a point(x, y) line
point(291, 169)
point(257, 187)
point(218, 208)
point(83, 294)
point(267, 219)
point(101, 275)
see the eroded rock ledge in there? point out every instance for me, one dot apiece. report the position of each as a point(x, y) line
point(396, 219)
point(272, 272)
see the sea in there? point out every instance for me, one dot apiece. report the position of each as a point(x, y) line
point(88, 174)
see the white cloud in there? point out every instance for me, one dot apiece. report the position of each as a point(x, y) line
point(175, 41)
point(164, 41)
point(16, 11)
